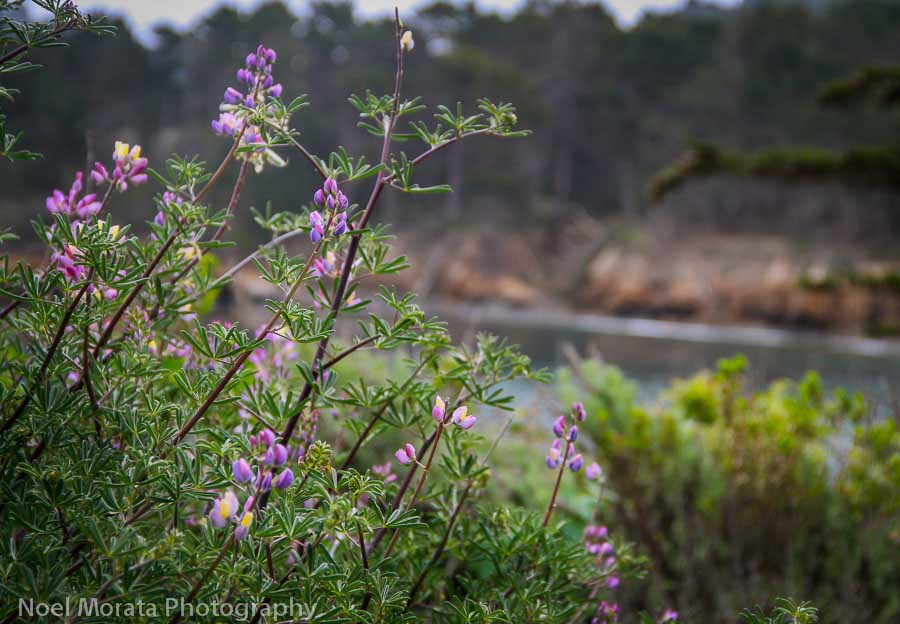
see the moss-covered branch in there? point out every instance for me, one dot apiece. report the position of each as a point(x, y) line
point(858, 166)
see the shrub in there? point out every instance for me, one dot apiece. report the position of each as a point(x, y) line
point(738, 497)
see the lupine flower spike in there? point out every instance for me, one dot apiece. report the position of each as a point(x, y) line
point(235, 109)
point(334, 200)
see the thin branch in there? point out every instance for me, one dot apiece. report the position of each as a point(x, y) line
point(350, 351)
point(462, 499)
point(415, 496)
point(239, 362)
point(338, 300)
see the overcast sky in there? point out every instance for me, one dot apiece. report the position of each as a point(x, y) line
point(145, 13)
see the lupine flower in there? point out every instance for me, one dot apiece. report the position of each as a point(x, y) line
point(243, 527)
point(129, 168)
point(66, 260)
point(285, 479)
point(406, 454)
point(578, 411)
point(223, 510)
point(317, 226)
point(576, 463)
point(612, 582)
point(439, 409)
point(234, 115)
point(324, 265)
point(266, 437)
point(331, 197)
point(276, 455)
point(595, 532)
point(554, 457)
point(71, 205)
point(407, 41)
point(669, 616)
point(384, 471)
point(573, 433)
point(462, 419)
point(240, 471)
point(593, 471)
point(559, 426)
point(266, 484)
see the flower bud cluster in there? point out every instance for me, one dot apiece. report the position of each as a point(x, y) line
point(129, 167)
point(567, 434)
point(336, 203)
point(237, 106)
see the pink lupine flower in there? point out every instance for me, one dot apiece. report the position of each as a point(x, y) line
point(593, 472)
point(71, 205)
point(439, 409)
point(129, 168)
point(612, 582)
point(406, 454)
point(669, 616)
point(462, 419)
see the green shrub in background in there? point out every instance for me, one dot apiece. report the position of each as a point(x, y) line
point(737, 497)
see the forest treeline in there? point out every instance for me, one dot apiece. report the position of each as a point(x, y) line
point(608, 107)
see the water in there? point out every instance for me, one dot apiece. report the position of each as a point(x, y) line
point(653, 353)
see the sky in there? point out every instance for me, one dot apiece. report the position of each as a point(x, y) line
point(143, 14)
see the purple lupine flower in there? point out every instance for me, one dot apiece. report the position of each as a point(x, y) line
point(576, 463)
point(285, 479)
point(330, 186)
point(279, 454)
point(232, 95)
point(240, 471)
point(573, 433)
point(275, 90)
point(317, 226)
point(319, 197)
point(266, 484)
point(559, 426)
point(612, 582)
point(439, 410)
point(593, 471)
point(223, 510)
point(340, 225)
point(243, 527)
point(406, 454)
point(554, 457)
point(578, 411)
point(266, 437)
